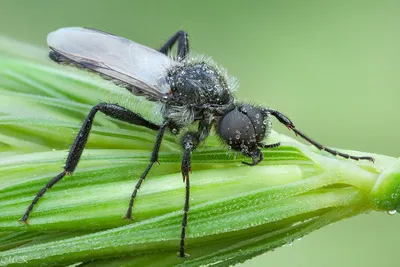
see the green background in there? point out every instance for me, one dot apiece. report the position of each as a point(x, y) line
point(331, 66)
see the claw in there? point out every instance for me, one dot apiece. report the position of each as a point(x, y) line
point(125, 217)
point(184, 255)
point(22, 221)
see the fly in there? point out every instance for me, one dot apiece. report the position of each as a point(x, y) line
point(188, 90)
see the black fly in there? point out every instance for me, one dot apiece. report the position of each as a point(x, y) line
point(189, 90)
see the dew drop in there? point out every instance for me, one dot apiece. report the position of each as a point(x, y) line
point(391, 212)
point(174, 131)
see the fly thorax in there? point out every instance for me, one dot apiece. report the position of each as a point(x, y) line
point(198, 83)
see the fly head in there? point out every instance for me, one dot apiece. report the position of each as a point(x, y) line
point(244, 127)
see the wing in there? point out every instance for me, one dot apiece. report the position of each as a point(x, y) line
point(134, 66)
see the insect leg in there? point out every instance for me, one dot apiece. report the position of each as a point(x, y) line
point(269, 145)
point(257, 156)
point(189, 143)
point(286, 121)
point(75, 152)
point(154, 158)
point(183, 44)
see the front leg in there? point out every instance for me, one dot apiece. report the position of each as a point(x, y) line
point(256, 156)
point(289, 124)
point(189, 143)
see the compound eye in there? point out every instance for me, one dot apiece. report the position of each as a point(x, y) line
point(237, 130)
point(256, 118)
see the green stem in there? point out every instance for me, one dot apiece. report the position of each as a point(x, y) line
point(237, 212)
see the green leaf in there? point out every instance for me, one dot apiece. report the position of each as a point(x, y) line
point(236, 212)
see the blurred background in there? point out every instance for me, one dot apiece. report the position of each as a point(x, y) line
point(331, 66)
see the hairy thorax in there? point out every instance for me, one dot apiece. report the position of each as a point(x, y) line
point(196, 88)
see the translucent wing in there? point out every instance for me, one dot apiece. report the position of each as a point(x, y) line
point(134, 66)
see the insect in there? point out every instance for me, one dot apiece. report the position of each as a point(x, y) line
point(188, 91)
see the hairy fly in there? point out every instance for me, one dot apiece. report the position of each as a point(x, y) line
point(189, 90)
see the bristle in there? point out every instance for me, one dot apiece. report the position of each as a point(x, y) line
point(231, 81)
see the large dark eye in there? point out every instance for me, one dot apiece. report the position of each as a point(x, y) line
point(242, 128)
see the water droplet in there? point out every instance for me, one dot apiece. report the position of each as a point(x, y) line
point(257, 116)
point(391, 212)
point(174, 131)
